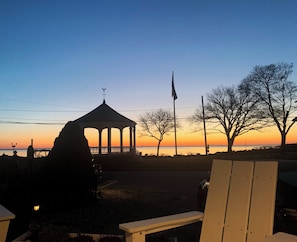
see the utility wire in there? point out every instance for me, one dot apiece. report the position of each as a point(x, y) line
point(62, 122)
point(39, 123)
point(53, 123)
point(82, 111)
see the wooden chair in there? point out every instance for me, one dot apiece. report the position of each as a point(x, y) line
point(239, 207)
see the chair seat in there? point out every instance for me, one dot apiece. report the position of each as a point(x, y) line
point(281, 237)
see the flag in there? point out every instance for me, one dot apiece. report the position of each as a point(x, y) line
point(172, 87)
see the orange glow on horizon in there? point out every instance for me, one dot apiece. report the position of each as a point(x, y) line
point(44, 139)
point(269, 137)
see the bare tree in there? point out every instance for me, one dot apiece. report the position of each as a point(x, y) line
point(232, 112)
point(277, 94)
point(156, 124)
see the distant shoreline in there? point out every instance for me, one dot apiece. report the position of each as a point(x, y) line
point(164, 150)
point(129, 161)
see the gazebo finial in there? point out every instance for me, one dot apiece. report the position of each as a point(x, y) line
point(103, 89)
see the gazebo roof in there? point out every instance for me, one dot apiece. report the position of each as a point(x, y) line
point(104, 117)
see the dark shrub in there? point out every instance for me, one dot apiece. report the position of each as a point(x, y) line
point(68, 170)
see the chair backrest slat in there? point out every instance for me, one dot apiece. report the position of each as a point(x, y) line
point(263, 201)
point(216, 201)
point(237, 214)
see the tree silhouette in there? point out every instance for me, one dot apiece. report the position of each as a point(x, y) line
point(232, 112)
point(156, 124)
point(277, 94)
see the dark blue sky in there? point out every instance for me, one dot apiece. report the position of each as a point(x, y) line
point(55, 56)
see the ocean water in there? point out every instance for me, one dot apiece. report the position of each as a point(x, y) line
point(193, 150)
point(152, 150)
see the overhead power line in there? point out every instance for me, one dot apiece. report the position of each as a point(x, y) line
point(82, 111)
point(11, 120)
point(53, 123)
point(40, 111)
point(37, 123)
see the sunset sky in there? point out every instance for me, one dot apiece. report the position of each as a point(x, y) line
point(57, 55)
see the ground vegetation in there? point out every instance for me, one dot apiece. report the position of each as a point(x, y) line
point(116, 204)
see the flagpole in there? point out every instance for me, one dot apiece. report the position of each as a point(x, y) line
point(204, 126)
point(174, 127)
point(174, 97)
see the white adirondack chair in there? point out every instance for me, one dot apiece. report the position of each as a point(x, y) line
point(239, 207)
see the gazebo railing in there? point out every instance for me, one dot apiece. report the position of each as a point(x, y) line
point(94, 151)
point(114, 150)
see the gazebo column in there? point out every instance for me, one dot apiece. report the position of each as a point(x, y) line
point(134, 138)
point(121, 139)
point(100, 141)
point(131, 137)
point(109, 140)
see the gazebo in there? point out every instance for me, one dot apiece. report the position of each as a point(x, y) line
point(104, 117)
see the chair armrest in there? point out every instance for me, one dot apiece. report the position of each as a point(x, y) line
point(281, 237)
point(5, 217)
point(154, 225)
point(5, 214)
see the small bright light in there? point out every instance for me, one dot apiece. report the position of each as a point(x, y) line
point(36, 207)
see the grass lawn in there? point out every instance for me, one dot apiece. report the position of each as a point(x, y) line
point(114, 206)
